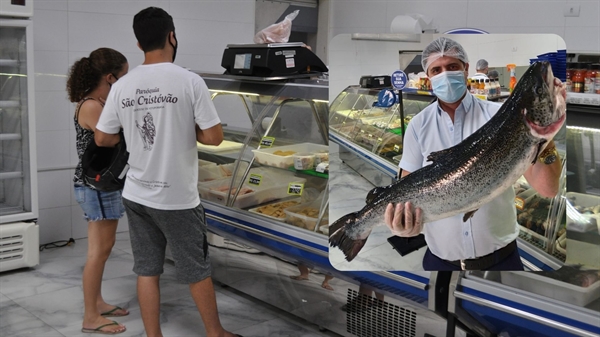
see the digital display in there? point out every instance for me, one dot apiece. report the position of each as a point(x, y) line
point(242, 61)
point(17, 2)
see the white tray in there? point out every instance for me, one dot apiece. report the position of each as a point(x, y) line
point(273, 187)
point(551, 288)
point(226, 145)
point(255, 209)
point(582, 222)
point(266, 156)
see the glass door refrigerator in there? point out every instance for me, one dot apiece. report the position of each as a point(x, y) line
point(19, 232)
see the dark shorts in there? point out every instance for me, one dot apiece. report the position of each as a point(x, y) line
point(99, 205)
point(150, 230)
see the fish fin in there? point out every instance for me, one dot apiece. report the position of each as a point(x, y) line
point(539, 151)
point(469, 215)
point(373, 194)
point(338, 238)
point(435, 156)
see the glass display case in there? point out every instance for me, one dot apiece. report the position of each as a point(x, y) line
point(355, 118)
point(18, 168)
point(508, 303)
point(273, 161)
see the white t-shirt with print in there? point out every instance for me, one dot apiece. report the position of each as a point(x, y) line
point(158, 106)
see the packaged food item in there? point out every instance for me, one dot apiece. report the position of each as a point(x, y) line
point(321, 156)
point(304, 161)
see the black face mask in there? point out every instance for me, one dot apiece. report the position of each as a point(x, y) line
point(174, 46)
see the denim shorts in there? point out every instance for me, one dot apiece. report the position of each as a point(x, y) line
point(98, 205)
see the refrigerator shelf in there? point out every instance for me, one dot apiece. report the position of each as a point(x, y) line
point(5, 209)
point(10, 104)
point(10, 136)
point(8, 63)
point(11, 175)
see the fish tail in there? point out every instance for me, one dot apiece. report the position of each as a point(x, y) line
point(338, 237)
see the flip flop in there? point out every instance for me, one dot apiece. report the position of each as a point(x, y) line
point(111, 313)
point(100, 331)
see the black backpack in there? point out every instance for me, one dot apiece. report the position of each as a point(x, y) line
point(105, 168)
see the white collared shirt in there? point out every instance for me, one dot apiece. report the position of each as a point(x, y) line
point(494, 225)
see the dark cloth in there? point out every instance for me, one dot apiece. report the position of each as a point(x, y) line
point(434, 263)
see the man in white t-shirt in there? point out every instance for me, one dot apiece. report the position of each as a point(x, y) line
point(163, 110)
point(487, 240)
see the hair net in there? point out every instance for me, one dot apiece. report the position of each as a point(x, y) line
point(481, 64)
point(493, 74)
point(442, 46)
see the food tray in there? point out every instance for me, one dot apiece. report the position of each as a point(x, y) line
point(294, 217)
point(581, 222)
point(266, 156)
point(214, 172)
point(273, 187)
point(226, 145)
point(276, 204)
point(545, 286)
point(205, 163)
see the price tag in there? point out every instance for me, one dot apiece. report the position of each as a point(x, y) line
point(519, 203)
point(267, 141)
point(379, 140)
point(295, 188)
point(396, 148)
point(255, 179)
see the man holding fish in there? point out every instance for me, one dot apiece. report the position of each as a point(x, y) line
point(491, 232)
point(461, 157)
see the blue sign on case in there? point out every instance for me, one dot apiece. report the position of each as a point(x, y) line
point(399, 79)
point(386, 98)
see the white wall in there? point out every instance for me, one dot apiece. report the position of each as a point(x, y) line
point(66, 30)
point(351, 59)
point(527, 16)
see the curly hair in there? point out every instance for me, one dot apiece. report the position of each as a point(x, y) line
point(85, 74)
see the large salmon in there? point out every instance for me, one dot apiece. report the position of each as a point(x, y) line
point(464, 177)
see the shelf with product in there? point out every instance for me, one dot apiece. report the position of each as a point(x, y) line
point(268, 165)
point(369, 131)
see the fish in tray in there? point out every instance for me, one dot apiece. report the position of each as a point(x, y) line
point(462, 178)
point(573, 275)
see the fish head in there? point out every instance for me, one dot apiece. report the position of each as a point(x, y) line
point(541, 98)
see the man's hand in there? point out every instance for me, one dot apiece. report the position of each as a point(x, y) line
point(402, 221)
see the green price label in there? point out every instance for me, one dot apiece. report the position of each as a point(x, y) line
point(255, 179)
point(295, 188)
point(267, 141)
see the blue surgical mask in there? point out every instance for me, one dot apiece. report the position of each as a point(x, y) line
point(449, 86)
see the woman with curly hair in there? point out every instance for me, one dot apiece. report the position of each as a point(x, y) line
point(89, 82)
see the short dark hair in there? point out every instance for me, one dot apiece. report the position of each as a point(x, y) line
point(151, 27)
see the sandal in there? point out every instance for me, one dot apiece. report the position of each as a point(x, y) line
point(99, 329)
point(111, 313)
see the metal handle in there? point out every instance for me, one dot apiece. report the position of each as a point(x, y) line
point(524, 314)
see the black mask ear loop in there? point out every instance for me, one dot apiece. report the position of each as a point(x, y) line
point(174, 46)
point(116, 78)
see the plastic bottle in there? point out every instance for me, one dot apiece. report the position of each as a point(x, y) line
point(498, 88)
point(481, 87)
point(513, 78)
point(590, 79)
point(597, 84)
point(469, 84)
point(570, 73)
point(578, 78)
point(487, 88)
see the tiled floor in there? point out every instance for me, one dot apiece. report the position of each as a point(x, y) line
point(47, 300)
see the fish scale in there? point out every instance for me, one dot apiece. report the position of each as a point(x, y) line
point(462, 178)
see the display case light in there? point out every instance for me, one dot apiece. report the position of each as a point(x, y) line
point(233, 92)
point(320, 101)
point(580, 128)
